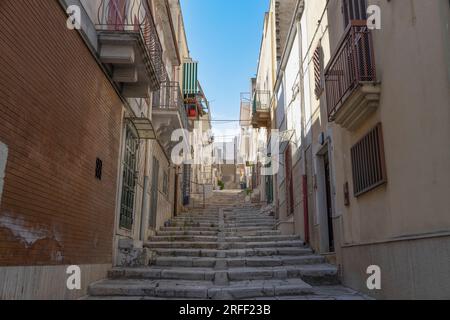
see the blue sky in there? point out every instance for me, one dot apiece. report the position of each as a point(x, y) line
point(225, 37)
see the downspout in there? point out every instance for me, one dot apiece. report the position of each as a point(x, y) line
point(303, 126)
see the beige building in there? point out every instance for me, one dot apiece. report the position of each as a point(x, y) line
point(365, 112)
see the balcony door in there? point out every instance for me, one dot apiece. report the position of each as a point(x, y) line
point(354, 10)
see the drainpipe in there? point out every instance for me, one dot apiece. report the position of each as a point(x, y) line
point(145, 196)
point(303, 126)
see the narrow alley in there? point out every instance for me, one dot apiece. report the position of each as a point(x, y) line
point(225, 150)
point(230, 250)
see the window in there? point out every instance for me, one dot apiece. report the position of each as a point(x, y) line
point(354, 10)
point(318, 71)
point(368, 163)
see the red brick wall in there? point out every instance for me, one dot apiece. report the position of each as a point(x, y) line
point(58, 113)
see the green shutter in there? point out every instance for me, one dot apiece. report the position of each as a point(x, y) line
point(190, 78)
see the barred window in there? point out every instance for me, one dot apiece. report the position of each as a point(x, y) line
point(368, 162)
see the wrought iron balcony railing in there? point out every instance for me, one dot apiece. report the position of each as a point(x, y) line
point(261, 109)
point(169, 98)
point(352, 64)
point(134, 16)
point(261, 101)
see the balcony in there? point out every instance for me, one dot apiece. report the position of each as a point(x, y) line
point(129, 46)
point(261, 109)
point(353, 92)
point(169, 113)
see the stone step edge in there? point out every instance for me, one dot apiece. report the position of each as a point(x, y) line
point(203, 290)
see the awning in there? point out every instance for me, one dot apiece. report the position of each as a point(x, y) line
point(144, 128)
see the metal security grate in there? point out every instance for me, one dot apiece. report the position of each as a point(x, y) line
point(129, 181)
point(354, 10)
point(368, 162)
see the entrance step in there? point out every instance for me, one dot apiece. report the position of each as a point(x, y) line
point(210, 262)
point(320, 274)
point(199, 289)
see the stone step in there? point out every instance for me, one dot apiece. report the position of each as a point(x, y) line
point(261, 238)
point(224, 246)
point(195, 221)
point(317, 274)
point(215, 229)
point(193, 225)
point(199, 289)
point(181, 244)
point(264, 244)
point(187, 233)
point(253, 233)
point(250, 224)
point(274, 261)
point(247, 228)
point(200, 217)
point(171, 238)
point(259, 252)
point(250, 221)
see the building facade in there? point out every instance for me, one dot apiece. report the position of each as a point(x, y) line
point(363, 177)
point(87, 113)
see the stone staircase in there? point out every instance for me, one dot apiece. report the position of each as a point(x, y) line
point(226, 251)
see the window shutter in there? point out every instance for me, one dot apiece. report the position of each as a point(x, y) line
point(318, 71)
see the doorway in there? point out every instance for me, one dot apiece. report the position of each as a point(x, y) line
point(329, 202)
point(154, 193)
